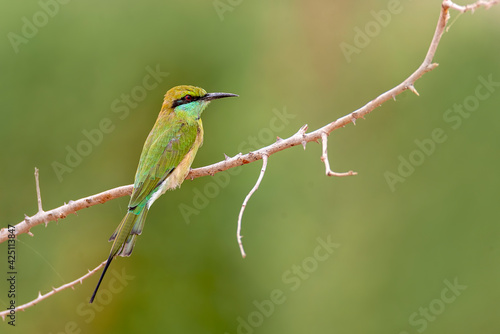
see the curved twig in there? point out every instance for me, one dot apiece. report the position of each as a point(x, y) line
point(243, 206)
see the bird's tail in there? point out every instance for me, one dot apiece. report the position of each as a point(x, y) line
point(124, 238)
point(126, 233)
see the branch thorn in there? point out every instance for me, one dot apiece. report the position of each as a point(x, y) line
point(412, 88)
point(432, 66)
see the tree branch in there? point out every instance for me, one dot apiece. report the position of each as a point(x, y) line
point(41, 297)
point(64, 210)
point(299, 138)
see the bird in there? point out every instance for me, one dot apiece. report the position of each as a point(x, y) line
point(165, 161)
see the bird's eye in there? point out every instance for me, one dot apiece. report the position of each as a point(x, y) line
point(188, 98)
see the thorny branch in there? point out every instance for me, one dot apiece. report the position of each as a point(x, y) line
point(41, 297)
point(300, 138)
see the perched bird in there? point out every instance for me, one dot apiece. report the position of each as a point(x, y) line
point(165, 161)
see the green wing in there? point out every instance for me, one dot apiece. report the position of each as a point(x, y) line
point(162, 152)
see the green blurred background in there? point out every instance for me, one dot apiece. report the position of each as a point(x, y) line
point(398, 250)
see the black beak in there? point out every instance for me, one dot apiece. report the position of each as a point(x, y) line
point(215, 96)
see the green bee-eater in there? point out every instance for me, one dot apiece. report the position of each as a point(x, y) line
point(165, 161)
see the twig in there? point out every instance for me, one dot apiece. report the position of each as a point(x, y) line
point(38, 195)
point(41, 297)
point(243, 206)
point(324, 158)
point(471, 7)
point(64, 210)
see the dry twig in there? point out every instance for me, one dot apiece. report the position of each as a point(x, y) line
point(41, 297)
point(243, 206)
point(324, 158)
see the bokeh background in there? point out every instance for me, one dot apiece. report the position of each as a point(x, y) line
point(397, 250)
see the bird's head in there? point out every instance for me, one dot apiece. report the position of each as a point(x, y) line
point(190, 100)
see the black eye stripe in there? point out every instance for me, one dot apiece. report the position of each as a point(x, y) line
point(183, 100)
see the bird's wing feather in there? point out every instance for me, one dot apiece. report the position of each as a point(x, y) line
point(165, 152)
